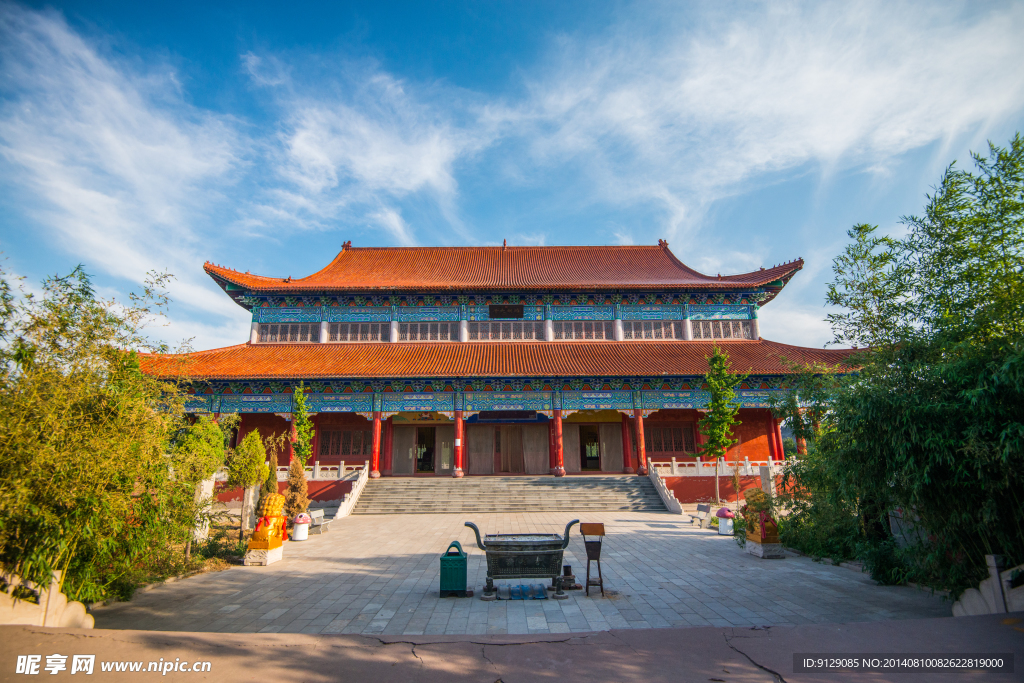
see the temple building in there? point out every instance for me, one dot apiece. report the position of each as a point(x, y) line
point(453, 361)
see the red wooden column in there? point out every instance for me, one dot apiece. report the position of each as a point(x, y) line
point(459, 448)
point(559, 461)
point(386, 456)
point(551, 445)
point(698, 437)
point(238, 432)
point(292, 438)
point(773, 448)
point(641, 449)
point(627, 447)
point(777, 429)
point(375, 450)
point(315, 446)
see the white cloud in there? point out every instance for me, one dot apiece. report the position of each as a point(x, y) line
point(363, 139)
point(684, 115)
point(392, 221)
point(227, 331)
point(785, 321)
point(111, 162)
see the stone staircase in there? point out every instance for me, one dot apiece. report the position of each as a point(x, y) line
point(428, 495)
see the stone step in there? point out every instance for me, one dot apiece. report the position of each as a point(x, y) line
point(461, 508)
point(479, 495)
point(519, 502)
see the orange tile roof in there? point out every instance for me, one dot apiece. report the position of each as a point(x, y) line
point(503, 268)
point(468, 359)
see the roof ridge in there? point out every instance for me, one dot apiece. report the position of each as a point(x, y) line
point(510, 246)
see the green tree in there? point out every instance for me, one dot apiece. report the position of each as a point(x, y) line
point(86, 485)
point(248, 468)
point(198, 452)
point(304, 433)
point(720, 419)
point(933, 420)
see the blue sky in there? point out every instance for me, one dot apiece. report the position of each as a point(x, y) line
point(155, 136)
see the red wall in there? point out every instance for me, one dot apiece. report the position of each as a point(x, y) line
point(754, 433)
point(319, 491)
point(268, 424)
point(324, 421)
point(702, 489)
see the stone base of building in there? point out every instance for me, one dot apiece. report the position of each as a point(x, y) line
point(262, 557)
point(768, 551)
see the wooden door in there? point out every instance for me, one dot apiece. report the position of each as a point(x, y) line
point(480, 449)
point(403, 449)
point(571, 447)
point(512, 449)
point(611, 447)
point(444, 450)
point(535, 449)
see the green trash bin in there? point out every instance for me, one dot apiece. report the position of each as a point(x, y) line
point(453, 571)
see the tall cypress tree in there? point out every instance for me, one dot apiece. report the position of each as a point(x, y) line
point(296, 499)
point(717, 425)
point(304, 432)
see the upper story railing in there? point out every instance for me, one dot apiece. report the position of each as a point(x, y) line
point(535, 323)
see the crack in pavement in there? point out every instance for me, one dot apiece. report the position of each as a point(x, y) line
point(778, 676)
point(626, 643)
point(476, 642)
point(483, 653)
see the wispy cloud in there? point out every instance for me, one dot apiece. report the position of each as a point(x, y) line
point(344, 148)
point(111, 162)
point(684, 115)
point(392, 222)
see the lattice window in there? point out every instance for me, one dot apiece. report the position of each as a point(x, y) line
point(653, 329)
point(584, 329)
point(359, 332)
point(420, 332)
point(506, 331)
point(723, 329)
point(293, 333)
point(341, 443)
point(669, 440)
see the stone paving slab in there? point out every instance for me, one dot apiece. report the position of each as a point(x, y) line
point(379, 575)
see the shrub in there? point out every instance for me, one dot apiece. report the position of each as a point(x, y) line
point(296, 499)
point(86, 481)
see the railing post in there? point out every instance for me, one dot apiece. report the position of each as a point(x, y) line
point(746, 465)
point(673, 466)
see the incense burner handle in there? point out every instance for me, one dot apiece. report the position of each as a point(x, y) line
point(476, 531)
point(565, 541)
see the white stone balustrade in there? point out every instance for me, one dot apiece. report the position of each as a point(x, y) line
point(701, 468)
point(667, 497)
point(362, 475)
point(320, 472)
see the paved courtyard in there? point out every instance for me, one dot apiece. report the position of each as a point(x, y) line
point(379, 575)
